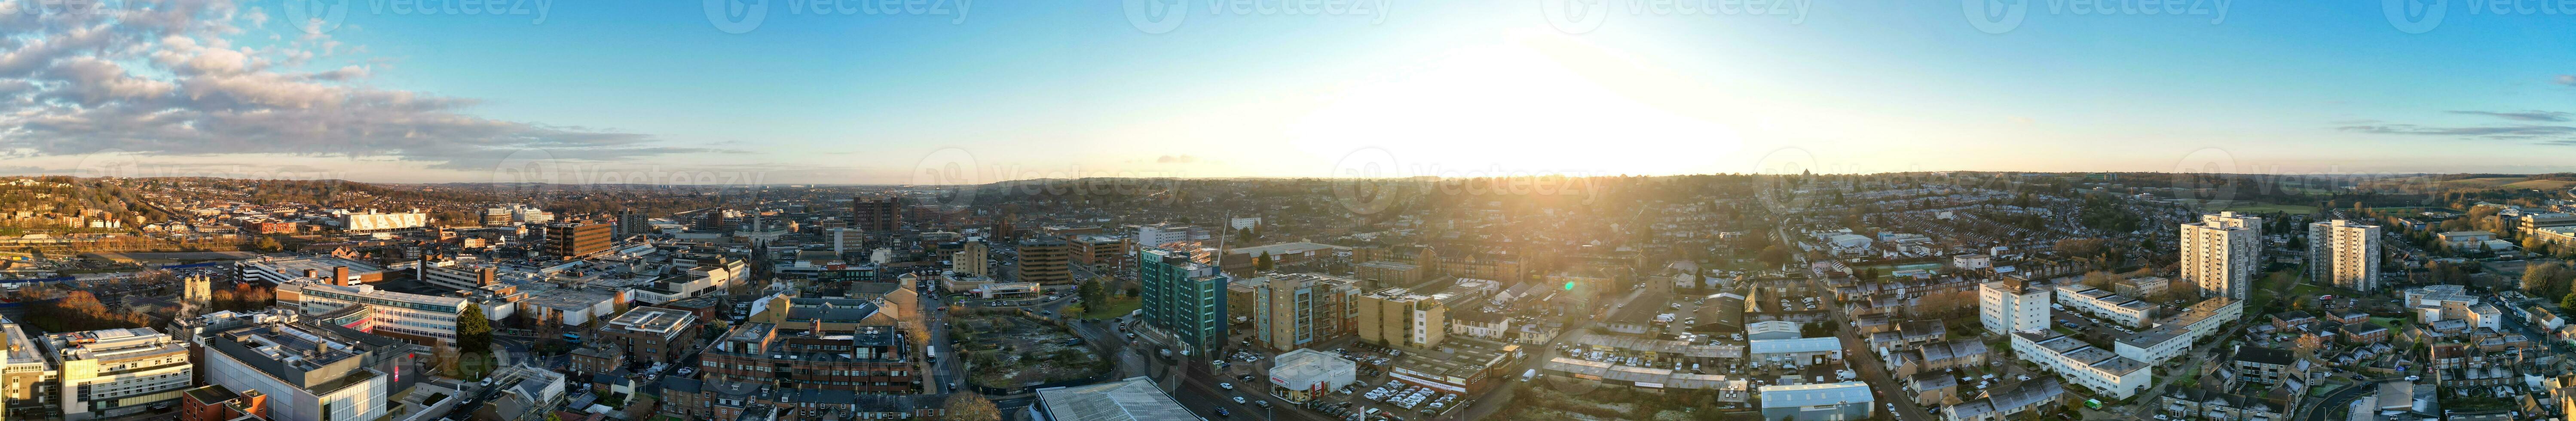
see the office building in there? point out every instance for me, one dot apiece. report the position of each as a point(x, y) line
point(1046, 261)
point(1397, 316)
point(2344, 254)
point(27, 380)
point(421, 319)
point(577, 240)
point(2221, 252)
point(2012, 305)
point(459, 276)
point(1183, 296)
point(1101, 253)
point(333, 269)
point(878, 216)
point(1819, 402)
point(1157, 235)
point(1295, 310)
point(651, 334)
point(118, 372)
point(312, 372)
point(633, 222)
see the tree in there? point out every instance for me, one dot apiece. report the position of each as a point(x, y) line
point(2569, 302)
point(473, 332)
point(1772, 256)
point(1264, 263)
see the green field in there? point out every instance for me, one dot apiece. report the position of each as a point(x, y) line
point(1119, 305)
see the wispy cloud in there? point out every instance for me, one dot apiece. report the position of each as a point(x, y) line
point(163, 77)
point(2549, 116)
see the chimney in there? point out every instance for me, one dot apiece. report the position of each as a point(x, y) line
point(310, 273)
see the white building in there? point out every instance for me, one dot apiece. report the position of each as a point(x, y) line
point(2345, 253)
point(2103, 304)
point(1303, 373)
point(423, 319)
point(2220, 253)
point(2173, 336)
point(1796, 352)
point(117, 372)
point(1972, 261)
point(2011, 306)
point(309, 373)
point(1153, 235)
point(2082, 364)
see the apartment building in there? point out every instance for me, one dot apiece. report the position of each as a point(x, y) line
point(2011, 305)
point(117, 372)
point(1297, 309)
point(2173, 336)
point(1183, 296)
point(458, 276)
point(2255, 364)
point(2220, 253)
point(2106, 305)
point(973, 258)
point(2344, 253)
point(1397, 316)
point(652, 334)
point(2081, 364)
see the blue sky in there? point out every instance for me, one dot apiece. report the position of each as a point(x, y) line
point(1461, 88)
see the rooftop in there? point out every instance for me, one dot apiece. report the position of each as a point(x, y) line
point(1815, 394)
point(1133, 399)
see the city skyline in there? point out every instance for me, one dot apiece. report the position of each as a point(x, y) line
point(590, 93)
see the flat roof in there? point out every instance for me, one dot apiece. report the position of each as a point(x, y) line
point(1132, 399)
point(1815, 394)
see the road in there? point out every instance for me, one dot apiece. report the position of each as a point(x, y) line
point(2317, 410)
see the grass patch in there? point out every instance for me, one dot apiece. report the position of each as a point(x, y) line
point(1119, 305)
